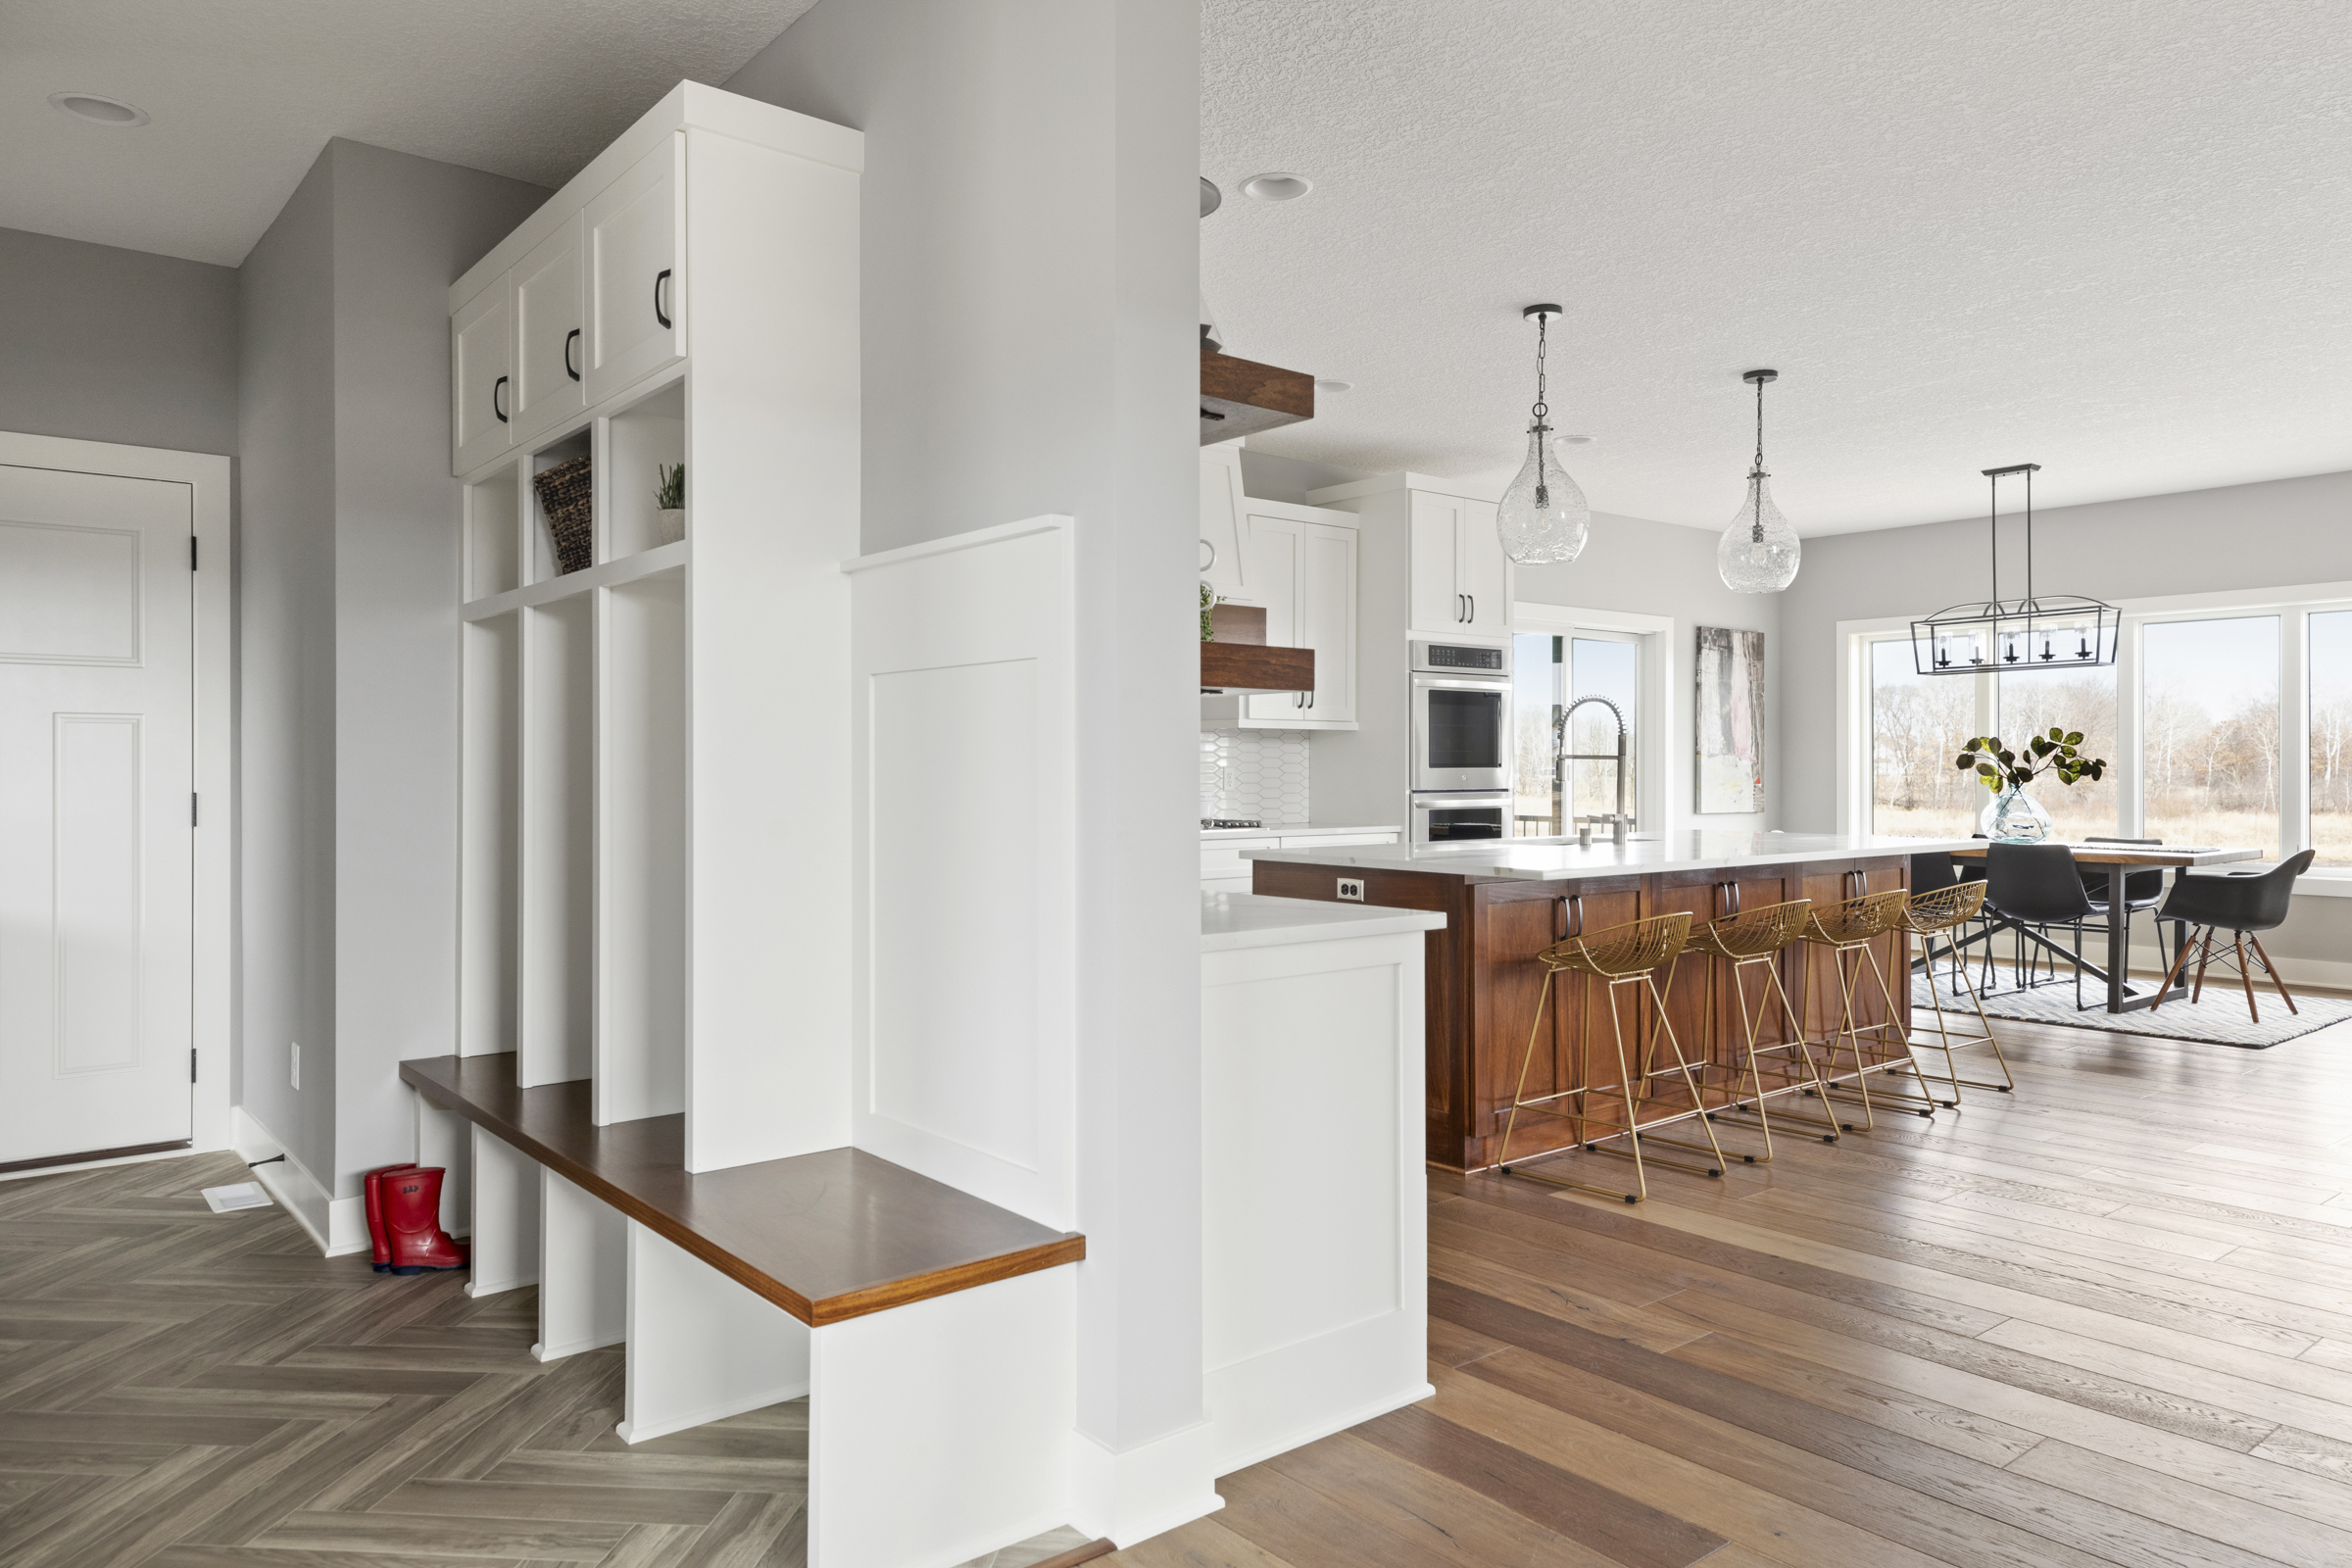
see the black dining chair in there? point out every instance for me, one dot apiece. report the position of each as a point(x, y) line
point(2031, 888)
point(2242, 903)
point(1931, 874)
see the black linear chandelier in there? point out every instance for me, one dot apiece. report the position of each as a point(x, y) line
point(2057, 631)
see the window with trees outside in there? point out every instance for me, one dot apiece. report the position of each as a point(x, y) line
point(2203, 750)
point(1547, 673)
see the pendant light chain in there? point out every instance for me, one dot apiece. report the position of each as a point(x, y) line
point(1542, 410)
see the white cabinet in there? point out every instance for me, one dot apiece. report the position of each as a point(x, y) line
point(636, 289)
point(1461, 580)
point(548, 352)
point(1223, 564)
point(480, 357)
point(1302, 569)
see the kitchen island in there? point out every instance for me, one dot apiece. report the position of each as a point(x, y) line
point(1507, 899)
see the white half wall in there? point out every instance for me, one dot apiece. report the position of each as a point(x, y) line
point(964, 906)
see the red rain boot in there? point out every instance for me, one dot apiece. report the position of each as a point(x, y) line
point(413, 1220)
point(380, 1241)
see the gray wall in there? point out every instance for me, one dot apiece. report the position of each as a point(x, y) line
point(348, 636)
point(1660, 568)
point(1030, 279)
point(116, 345)
point(2269, 535)
point(286, 671)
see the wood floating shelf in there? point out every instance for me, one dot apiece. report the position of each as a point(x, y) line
point(1244, 667)
point(1238, 397)
point(827, 1237)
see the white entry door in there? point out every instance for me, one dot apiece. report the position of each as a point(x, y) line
point(96, 840)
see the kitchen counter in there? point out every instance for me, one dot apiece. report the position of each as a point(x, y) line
point(1235, 920)
point(1510, 899)
point(1558, 859)
point(1289, 830)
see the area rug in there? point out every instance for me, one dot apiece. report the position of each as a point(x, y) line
point(2220, 1019)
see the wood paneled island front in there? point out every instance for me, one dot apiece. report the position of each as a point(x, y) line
point(1508, 900)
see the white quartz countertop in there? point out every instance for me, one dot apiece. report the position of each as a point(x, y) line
point(1559, 859)
point(1230, 920)
point(1289, 830)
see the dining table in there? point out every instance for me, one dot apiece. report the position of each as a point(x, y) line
point(2122, 997)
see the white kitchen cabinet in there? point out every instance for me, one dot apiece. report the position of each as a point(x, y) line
point(480, 362)
point(548, 372)
point(1461, 580)
point(1224, 564)
point(632, 232)
point(1303, 567)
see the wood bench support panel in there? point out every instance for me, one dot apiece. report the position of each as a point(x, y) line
point(506, 1218)
point(700, 1346)
point(941, 1431)
point(583, 1271)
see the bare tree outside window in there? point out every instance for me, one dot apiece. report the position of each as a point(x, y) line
point(2209, 721)
point(2084, 700)
point(1918, 724)
point(2331, 690)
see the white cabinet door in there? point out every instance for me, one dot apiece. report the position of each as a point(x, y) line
point(1484, 572)
point(479, 346)
point(1223, 566)
point(1438, 601)
point(549, 363)
point(634, 233)
point(1277, 547)
point(1327, 619)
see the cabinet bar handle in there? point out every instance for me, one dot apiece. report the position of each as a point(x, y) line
point(660, 278)
point(1213, 555)
point(1474, 608)
point(571, 338)
point(496, 387)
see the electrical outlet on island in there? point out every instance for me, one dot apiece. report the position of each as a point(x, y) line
point(1352, 889)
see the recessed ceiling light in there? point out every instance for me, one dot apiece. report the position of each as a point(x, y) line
point(1334, 386)
point(1276, 187)
point(98, 110)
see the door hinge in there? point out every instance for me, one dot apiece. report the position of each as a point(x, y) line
point(191, 1065)
point(191, 809)
point(191, 552)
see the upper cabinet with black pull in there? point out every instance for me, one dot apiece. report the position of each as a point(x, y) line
point(636, 232)
point(481, 363)
point(549, 362)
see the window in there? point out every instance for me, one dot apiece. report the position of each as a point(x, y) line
point(1918, 724)
point(2208, 731)
point(2330, 709)
point(1547, 673)
point(2025, 706)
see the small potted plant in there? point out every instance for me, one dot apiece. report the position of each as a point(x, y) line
point(2012, 815)
point(671, 499)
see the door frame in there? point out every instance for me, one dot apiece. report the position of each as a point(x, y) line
point(214, 902)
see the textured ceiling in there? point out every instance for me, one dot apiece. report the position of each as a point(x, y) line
point(2110, 236)
point(245, 92)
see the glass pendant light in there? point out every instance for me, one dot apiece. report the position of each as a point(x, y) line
point(1760, 551)
point(1544, 517)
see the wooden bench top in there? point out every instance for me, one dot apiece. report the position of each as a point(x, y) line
point(827, 1237)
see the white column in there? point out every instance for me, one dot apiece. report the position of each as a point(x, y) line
point(583, 1270)
point(505, 1218)
point(700, 1346)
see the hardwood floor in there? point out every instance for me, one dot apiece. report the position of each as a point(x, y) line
point(2107, 1321)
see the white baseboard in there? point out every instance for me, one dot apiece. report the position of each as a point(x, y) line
point(338, 1225)
point(544, 1351)
point(1142, 1492)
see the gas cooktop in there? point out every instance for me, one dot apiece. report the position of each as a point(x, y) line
point(1209, 822)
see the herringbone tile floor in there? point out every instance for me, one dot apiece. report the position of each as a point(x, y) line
point(181, 1389)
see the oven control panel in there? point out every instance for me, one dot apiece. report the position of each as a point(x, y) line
point(1467, 657)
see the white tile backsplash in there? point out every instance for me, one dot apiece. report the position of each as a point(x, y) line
point(1253, 772)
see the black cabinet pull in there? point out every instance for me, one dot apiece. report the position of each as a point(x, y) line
point(660, 278)
point(497, 408)
point(569, 338)
point(1474, 608)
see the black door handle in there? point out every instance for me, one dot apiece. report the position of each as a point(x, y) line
point(496, 387)
point(660, 278)
point(1474, 608)
point(569, 338)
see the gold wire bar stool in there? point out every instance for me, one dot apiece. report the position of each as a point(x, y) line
point(1928, 915)
point(1628, 955)
point(1753, 940)
point(1847, 929)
